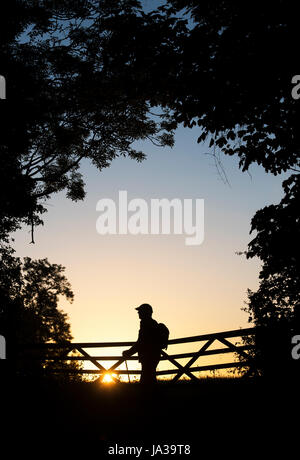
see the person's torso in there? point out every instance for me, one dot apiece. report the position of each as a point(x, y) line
point(148, 338)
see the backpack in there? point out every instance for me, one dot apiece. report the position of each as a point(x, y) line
point(163, 335)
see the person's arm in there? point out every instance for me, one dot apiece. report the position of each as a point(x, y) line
point(133, 349)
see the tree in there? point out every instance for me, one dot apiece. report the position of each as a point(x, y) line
point(66, 101)
point(277, 245)
point(84, 76)
point(235, 76)
point(30, 291)
point(274, 307)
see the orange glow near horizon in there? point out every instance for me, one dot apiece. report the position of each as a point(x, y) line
point(108, 378)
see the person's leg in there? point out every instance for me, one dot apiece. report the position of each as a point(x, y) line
point(149, 371)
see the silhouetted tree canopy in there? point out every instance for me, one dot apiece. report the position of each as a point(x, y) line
point(277, 245)
point(66, 100)
point(30, 292)
point(238, 61)
point(34, 287)
point(275, 303)
point(274, 307)
point(83, 78)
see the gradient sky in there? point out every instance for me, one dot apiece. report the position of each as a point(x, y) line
point(193, 289)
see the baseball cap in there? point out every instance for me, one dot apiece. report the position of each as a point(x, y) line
point(145, 307)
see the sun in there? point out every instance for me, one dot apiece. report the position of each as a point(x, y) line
point(107, 378)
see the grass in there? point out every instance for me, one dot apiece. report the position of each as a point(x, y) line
point(230, 409)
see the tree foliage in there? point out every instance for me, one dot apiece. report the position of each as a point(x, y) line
point(83, 78)
point(66, 99)
point(274, 307)
point(30, 292)
point(277, 245)
point(237, 63)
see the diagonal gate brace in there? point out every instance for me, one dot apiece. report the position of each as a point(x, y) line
point(185, 369)
point(95, 362)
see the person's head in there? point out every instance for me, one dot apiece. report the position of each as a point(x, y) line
point(144, 311)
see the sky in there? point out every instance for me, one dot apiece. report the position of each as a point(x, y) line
point(192, 289)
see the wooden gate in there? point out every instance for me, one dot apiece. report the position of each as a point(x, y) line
point(61, 352)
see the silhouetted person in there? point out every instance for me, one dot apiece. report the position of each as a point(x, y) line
point(147, 345)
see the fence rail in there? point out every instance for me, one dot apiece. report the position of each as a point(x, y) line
point(59, 352)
